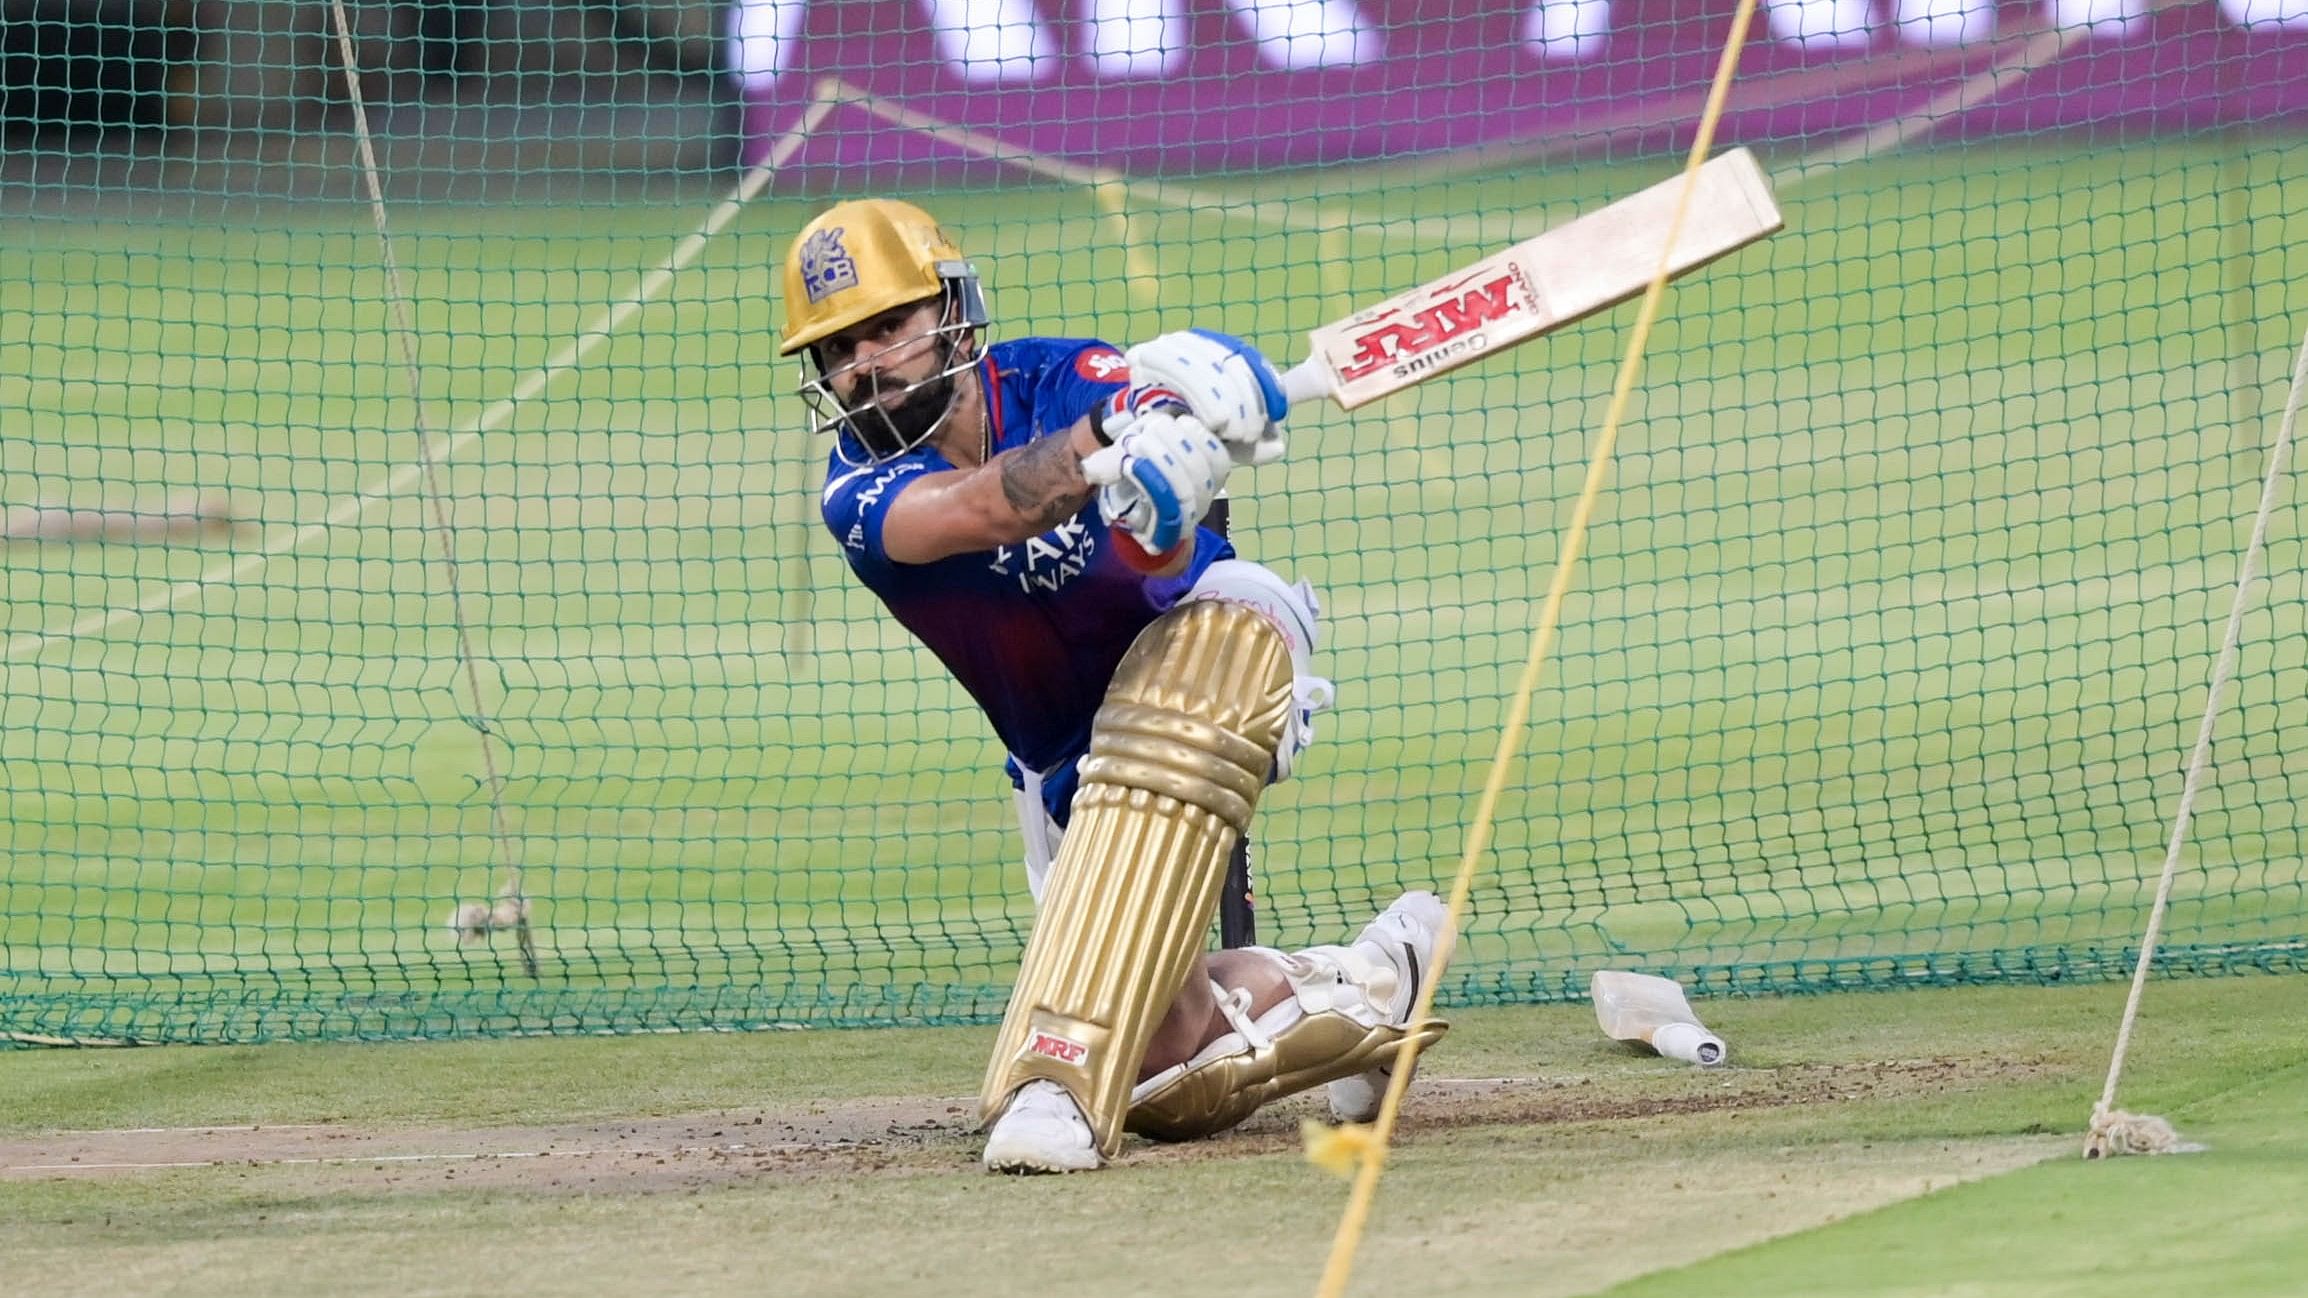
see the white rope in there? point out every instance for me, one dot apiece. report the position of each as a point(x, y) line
point(2038, 50)
point(2201, 757)
point(1281, 214)
point(436, 498)
point(351, 508)
point(2035, 50)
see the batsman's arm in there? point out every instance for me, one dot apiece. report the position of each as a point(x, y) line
point(1020, 493)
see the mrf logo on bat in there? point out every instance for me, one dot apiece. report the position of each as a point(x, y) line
point(1450, 328)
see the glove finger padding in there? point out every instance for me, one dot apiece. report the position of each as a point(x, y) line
point(1158, 479)
point(1224, 381)
point(1266, 450)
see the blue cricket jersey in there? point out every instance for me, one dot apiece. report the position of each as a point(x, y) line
point(1032, 631)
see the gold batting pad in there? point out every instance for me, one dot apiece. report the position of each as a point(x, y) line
point(1179, 753)
point(1210, 1095)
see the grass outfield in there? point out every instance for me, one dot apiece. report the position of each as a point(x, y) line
point(1921, 1143)
point(1881, 669)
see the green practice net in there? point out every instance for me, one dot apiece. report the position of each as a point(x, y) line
point(328, 652)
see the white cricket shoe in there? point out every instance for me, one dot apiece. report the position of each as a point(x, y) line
point(1043, 1130)
point(1405, 935)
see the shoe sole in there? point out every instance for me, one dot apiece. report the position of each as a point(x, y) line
point(1014, 1157)
point(1379, 1078)
point(1020, 1165)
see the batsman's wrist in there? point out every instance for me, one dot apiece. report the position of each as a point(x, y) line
point(1134, 554)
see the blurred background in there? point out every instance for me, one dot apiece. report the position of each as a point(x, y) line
point(615, 84)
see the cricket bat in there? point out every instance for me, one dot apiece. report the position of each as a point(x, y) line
point(1539, 285)
point(1652, 1010)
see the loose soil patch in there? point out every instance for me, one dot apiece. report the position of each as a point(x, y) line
point(914, 1136)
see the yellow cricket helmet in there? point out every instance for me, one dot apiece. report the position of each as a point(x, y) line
point(863, 257)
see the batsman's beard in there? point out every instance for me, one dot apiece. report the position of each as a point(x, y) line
point(888, 430)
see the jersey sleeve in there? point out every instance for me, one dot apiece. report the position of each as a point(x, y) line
point(856, 503)
point(1075, 380)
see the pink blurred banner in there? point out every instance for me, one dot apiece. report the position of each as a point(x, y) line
point(1231, 85)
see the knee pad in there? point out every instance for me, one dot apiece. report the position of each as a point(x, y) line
point(1295, 613)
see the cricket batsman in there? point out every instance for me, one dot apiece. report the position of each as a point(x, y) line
point(1033, 511)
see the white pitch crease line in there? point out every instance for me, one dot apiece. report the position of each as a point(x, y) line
point(192, 1131)
point(572, 353)
point(345, 1160)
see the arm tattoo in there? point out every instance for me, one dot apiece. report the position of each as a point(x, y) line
point(1042, 480)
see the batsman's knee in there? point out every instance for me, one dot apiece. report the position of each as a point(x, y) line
point(1293, 611)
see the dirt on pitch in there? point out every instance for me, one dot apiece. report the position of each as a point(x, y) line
point(898, 1137)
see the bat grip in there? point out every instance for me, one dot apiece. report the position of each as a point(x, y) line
point(1688, 1042)
point(1307, 381)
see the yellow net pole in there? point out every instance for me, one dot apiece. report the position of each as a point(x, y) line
point(1113, 198)
point(1371, 1146)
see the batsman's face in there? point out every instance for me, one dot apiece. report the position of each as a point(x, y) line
point(892, 381)
point(874, 364)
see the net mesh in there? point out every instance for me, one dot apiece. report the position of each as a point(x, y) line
point(1881, 669)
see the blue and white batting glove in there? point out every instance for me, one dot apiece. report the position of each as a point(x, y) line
point(1160, 474)
point(1225, 382)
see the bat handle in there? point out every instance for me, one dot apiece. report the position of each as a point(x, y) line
point(1688, 1042)
point(1308, 380)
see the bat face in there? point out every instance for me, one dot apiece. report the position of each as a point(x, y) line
point(1600, 259)
point(1431, 327)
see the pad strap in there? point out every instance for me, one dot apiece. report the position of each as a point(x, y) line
point(1330, 1027)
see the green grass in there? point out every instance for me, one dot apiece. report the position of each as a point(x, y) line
point(1835, 1114)
point(2226, 1221)
point(1881, 665)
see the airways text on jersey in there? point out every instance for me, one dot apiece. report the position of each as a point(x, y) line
point(864, 501)
point(1047, 562)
